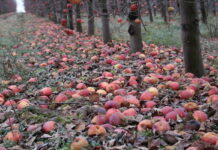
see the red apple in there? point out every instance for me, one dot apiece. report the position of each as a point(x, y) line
point(84, 92)
point(32, 127)
point(64, 22)
point(190, 106)
point(107, 74)
point(132, 100)
point(161, 126)
point(7, 92)
point(210, 137)
point(2, 148)
point(69, 5)
point(130, 112)
point(119, 99)
point(119, 20)
point(181, 112)
point(48, 126)
point(96, 130)
point(150, 104)
point(153, 91)
point(79, 143)
point(60, 98)
point(81, 86)
point(212, 99)
point(23, 103)
point(146, 96)
point(134, 7)
point(120, 92)
point(112, 111)
point(103, 85)
point(169, 67)
point(99, 119)
point(111, 104)
point(112, 87)
point(47, 91)
point(9, 103)
point(144, 124)
point(186, 94)
point(14, 88)
point(2, 100)
point(166, 109)
point(14, 136)
point(213, 91)
point(101, 92)
point(116, 119)
point(171, 115)
point(173, 85)
point(32, 80)
point(192, 148)
point(200, 116)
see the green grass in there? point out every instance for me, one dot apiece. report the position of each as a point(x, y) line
point(12, 30)
point(160, 33)
point(65, 147)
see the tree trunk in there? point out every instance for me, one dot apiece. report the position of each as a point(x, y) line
point(61, 7)
point(78, 16)
point(213, 3)
point(91, 20)
point(203, 11)
point(190, 37)
point(105, 22)
point(150, 10)
point(163, 5)
point(135, 30)
point(155, 8)
point(178, 6)
point(71, 18)
point(53, 7)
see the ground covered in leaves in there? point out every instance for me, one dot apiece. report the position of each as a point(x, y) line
point(103, 96)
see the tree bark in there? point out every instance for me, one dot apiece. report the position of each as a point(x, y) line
point(105, 22)
point(54, 11)
point(78, 16)
point(203, 11)
point(213, 3)
point(163, 5)
point(71, 26)
point(178, 6)
point(155, 8)
point(135, 30)
point(190, 37)
point(91, 20)
point(150, 10)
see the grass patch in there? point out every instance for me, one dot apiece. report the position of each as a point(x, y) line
point(65, 147)
point(159, 32)
point(12, 31)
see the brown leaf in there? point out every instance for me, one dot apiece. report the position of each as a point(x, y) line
point(80, 127)
point(94, 97)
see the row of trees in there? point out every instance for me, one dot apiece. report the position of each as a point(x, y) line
point(7, 6)
point(70, 13)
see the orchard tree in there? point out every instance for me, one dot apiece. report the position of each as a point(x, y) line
point(91, 20)
point(135, 27)
point(163, 8)
point(78, 18)
point(190, 37)
point(213, 6)
point(203, 11)
point(53, 13)
point(105, 21)
point(7, 6)
point(150, 10)
point(70, 15)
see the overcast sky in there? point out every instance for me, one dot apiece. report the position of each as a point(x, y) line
point(20, 5)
